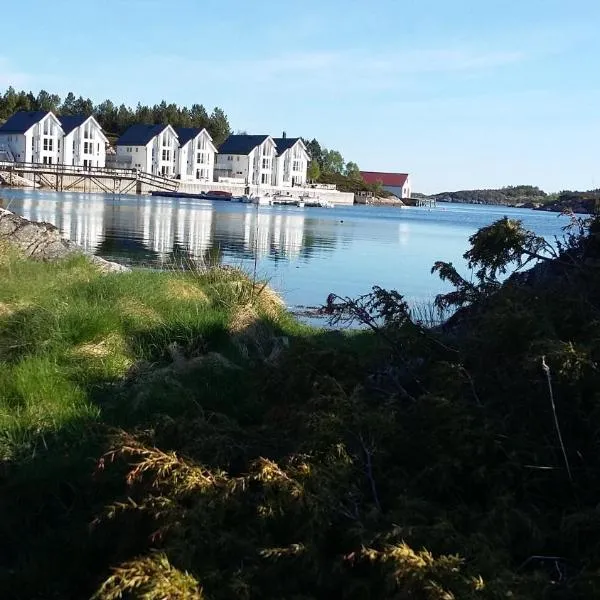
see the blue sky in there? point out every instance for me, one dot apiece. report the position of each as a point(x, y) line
point(460, 93)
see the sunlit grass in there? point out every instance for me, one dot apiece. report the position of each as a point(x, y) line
point(66, 330)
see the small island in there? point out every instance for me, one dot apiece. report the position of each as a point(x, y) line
point(524, 196)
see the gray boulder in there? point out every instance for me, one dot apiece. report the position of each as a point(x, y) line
point(43, 241)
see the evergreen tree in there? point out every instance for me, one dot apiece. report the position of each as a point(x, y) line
point(352, 170)
point(315, 152)
point(68, 105)
point(333, 162)
point(83, 107)
point(9, 103)
point(218, 126)
point(314, 171)
point(47, 101)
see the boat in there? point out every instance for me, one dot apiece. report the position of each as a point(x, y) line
point(318, 203)
point(211, 195)
point(281, 200)
point(176, 194)
point(262, 200)
point(217, 195)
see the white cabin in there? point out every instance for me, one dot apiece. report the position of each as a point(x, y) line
point(250, 158)
point(149, 148)
point(32, 137)
point(196, 155)
point(84, 143)
point(292, 162)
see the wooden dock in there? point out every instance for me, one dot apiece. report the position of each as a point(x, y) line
point(427, 202)
point(63, 178)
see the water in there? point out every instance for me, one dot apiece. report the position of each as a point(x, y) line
point(306, 253)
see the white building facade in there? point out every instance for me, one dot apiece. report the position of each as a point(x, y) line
point(149, 148)
point(250, 158)
point(33, 137)
point(84, 143)
point(291, 162)
point(196, 155)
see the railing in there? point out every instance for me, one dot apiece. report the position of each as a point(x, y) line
point(6, 150)
point(60, 169)
point(63, 169)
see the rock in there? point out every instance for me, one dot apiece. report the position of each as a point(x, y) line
point(43, 241)
point(13, 180)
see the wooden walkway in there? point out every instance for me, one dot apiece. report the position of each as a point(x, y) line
point(63, 178)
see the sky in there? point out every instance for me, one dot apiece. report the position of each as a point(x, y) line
point(461, 94)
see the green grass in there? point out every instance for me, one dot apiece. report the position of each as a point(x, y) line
point(67, 332)
point(179, 435)
point(70, 337)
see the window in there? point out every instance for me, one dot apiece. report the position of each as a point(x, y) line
point(238, 159)
point(32, 144)
point(73, 146)
point(85, 148)
point(266, 150)
point(264, 178)
point(45, 160)
point(99, 148)
point(230, 158)
point(166, 154)
point(296, 166)
point(49, 160)
point(265, 163)
point(201, 143)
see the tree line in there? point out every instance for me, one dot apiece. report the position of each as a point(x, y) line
point(328, 162)
point(326, 165)
point(115, 119)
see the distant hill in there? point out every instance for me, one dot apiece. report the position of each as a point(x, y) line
point(578, 202)
point(508, 196)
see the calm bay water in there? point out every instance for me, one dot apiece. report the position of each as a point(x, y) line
point(306, 253)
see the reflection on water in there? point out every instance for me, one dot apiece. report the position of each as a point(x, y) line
point(305, 253)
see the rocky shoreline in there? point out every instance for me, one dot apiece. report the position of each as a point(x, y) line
point(44, 242)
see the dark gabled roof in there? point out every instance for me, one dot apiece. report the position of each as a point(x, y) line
point(185, 134)
point(23, 121)
point(241, 144)
point(70, 122)
point(390, 179)
point(284, 144)
point(140, 135)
